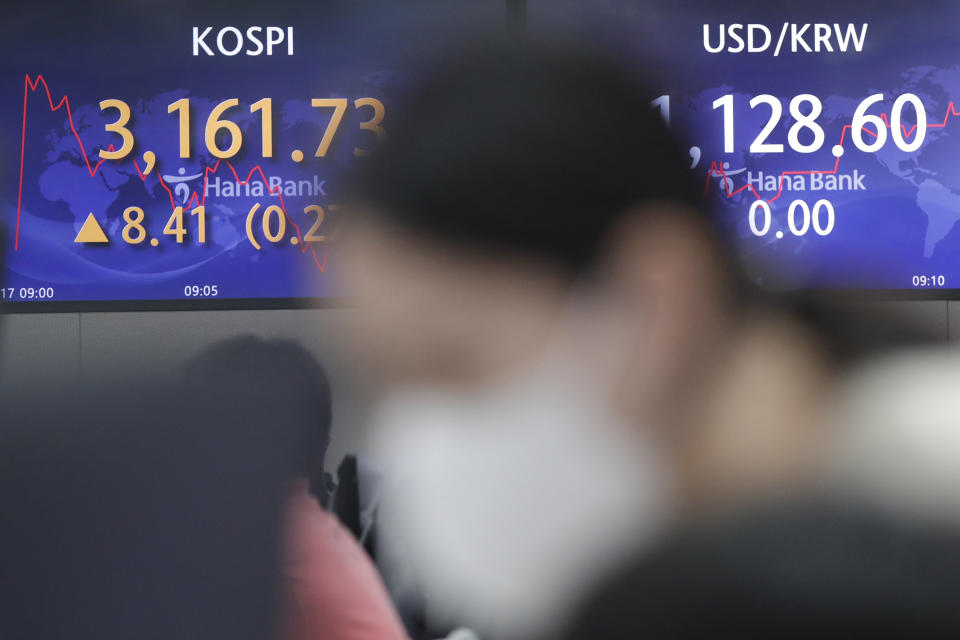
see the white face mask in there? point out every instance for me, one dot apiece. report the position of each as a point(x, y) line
point(506, 504)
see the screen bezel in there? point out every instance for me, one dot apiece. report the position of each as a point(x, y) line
point(252, 304)
point(187, 304)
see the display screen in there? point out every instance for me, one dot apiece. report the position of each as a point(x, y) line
point(825, 134)
point(190, 152)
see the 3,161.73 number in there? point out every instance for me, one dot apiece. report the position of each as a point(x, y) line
point(218, 125)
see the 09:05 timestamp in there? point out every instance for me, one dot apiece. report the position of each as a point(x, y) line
point(26, 293)
point(201, 291)
point(929, 281)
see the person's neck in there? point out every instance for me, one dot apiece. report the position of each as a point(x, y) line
point(300, 484)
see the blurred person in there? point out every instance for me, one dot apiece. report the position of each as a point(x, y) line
point(330, 587)
point(870, 549)
point(547, 301)
point(134, 509)
point(572, 359)
point(796, 571)
point(776, 421)
point(896, 436)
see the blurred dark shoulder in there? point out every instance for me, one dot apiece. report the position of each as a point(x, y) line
point(811, 570)
point(129, 499)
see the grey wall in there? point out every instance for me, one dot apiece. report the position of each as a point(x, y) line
point(55, 348)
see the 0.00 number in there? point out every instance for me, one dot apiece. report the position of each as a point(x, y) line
point(800, 217)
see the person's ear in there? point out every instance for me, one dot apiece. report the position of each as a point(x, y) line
point(671, 289)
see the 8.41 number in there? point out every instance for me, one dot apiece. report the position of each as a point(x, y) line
point(135, 232)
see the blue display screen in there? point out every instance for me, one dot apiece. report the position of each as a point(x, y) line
point(181, 151)
point(185, 153)
point(825, 134)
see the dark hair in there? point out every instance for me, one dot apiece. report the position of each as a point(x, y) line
point(527, 147)
point(274, 381)
point(799, 572)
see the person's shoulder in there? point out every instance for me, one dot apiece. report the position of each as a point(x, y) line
point(332, 578)
point(315, 532)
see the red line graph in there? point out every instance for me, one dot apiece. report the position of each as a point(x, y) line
point(32, 85)
point(717, 171)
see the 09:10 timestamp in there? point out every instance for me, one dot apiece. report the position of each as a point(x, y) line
point(929, 281)
point(26, 293)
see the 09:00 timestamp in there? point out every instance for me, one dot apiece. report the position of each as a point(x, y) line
point(26, 293)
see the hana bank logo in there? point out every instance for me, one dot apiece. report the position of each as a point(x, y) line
point(180, 182)
point(724, 176)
